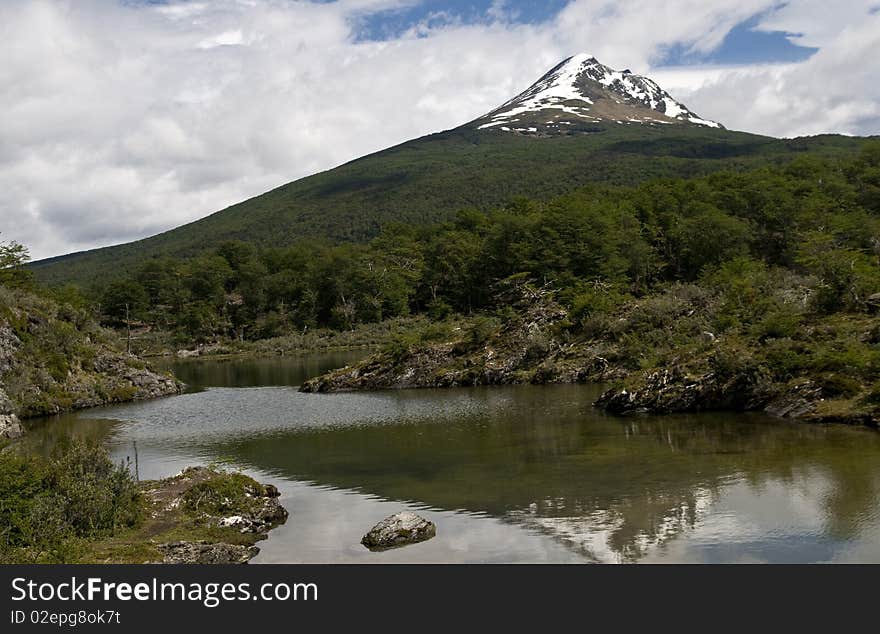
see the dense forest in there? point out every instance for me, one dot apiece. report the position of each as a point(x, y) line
point(814, 222)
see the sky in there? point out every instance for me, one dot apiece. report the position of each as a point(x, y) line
point(120, 119)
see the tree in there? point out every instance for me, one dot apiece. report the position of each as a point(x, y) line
point(123, 299)
point(709, 237)
point(13, 257)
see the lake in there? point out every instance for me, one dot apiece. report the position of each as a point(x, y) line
point(508, 474)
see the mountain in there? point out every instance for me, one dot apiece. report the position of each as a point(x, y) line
point(580, 91)
point(581, 122)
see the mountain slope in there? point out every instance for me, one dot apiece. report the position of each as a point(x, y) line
point(629, 131)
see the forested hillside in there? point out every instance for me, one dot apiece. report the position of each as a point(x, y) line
point(429, 180)
point(598, 246)
point(754, 291)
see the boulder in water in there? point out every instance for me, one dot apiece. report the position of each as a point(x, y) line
point(399, 530)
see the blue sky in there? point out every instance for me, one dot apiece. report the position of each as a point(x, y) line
point(744, 44)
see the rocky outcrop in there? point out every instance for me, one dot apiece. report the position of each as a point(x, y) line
point(667, 391)
point(260, 520)
point(9, 344)
point(232, 509)
point(798, 401)
point(202, 552)
point(10, 426)
point(55, 358)
point(670, 391)
point(398, 530)
point(144, 382)
point(523, 349)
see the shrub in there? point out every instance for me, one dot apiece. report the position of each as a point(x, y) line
point(222, 493)
point(777, 324)
point(835, 384)
point(48, 505)
point(481, 330)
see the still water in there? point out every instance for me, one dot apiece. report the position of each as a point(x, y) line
point(508, 474)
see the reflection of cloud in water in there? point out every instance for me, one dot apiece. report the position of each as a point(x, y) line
point(526, 474)
point(605, 536)
point(326, 526)
point(776, 522)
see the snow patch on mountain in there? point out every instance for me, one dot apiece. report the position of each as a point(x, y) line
point(567, 90)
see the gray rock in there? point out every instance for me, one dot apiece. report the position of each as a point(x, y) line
point(260, 521)
point(9, 345)
point(10, 427)
point(796, 402)
point(270, 514)
point(205, 553)
point(399, 530)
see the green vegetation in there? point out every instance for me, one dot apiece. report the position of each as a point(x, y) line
point(54, 355)
point(735, 290)
point(427, 180)
point(77, 506)
point(51, 508)
point(706, 251)
point(13, 257)
point(772, 247)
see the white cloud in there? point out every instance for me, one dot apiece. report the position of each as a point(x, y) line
point(119, 120)
point(836, 90)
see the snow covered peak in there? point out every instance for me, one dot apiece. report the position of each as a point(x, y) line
point(583, 90)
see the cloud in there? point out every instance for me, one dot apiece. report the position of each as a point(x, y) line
point(119, 120)
point(836, 90)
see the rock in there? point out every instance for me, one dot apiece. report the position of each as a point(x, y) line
point(233, 520)
point(271, 491)
point(873, 303)
point(797, 401)
point(205, 553)
point(270, 514)
point(259, 521)
point(10, 426)
point(399, 530)
point(9, 345)
point(670, 390)
point(873, 335)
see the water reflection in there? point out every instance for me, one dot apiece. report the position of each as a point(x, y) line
point(256, 371)
point(523, 474)
point(612, 489)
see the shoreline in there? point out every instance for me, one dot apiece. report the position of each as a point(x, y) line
point(202, 515)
